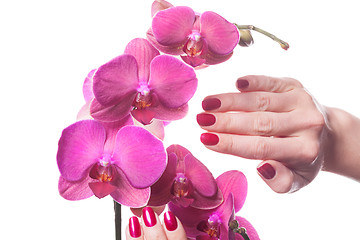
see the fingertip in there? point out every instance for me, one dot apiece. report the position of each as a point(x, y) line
point(173, 227)
point(276, 175)
point(133, 229)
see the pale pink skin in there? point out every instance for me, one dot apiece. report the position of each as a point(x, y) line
point(212, 224)
point(200, 39)
point(99, 159)
point(143, 83)
point(185, 182)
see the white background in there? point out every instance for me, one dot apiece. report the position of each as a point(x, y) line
point(48, 47)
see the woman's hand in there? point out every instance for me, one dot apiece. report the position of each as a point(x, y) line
point(151, 228)
point(271, 119)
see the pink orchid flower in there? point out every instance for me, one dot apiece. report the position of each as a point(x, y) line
point(99, 159)
point(143, 83)
point(200, 39)
point(185, 182)
point(213, 224)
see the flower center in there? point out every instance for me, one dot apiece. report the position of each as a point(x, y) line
point(194, 45)
point(143, 97)
point(181, 186)
point(211, 227)
point(101, 172)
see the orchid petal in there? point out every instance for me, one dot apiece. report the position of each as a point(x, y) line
point(221, 35)
point(127, 195)
point(87, 86)
point(112, 113)
point(171, 49)
point(80, 146)
point(205, 203)
point(101, 189)
point(226, 209)
point(144, 115)
point(250, 230)
point(170, 114)
point(84, 113)
point(156, 127)
point(78, 190)
point(116, 80)
point(212, 58)
point(172, 81)
point(201, 178)
point(159, 5)
point(234, 182)
point(161, 190)
point(193, 61)
point(140, 155)
point(144, 53)
point(173, 25)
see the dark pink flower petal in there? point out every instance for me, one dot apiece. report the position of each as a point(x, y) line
point(156, 127)
point(84, 112)
point(171, 49)
point(159, 5)
point(193, 61)
point(250, 230)
point(140, 155)
point(78, 190)
point(226, 210)
point(212, 58)
point(88, 86)
point(144, 115)
point(144, 53)
point(127, 195)
point(233, 182)
point(170, 114)
point(116, 80)
point(202, 202)
point(221, 35)
point(173, 25)
point(80, 146)
point(101, 189)
point(172, 81)
point(161, 190)
point(112, 113)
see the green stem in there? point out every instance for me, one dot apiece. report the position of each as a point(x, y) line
point(282, 43)
point(117, 209)
point(242, 232)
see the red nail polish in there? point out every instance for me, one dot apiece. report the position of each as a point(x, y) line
point(205, 119)
point(134, 227)
point(242, 83)
point(149, 216)
point(211, 104)
point(209, 139)
point(170, 221)
point(267, 171)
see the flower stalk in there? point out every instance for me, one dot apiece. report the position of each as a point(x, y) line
point(284, 45)
point(117, 209)
point(234, 226)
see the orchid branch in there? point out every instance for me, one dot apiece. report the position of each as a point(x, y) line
point(117, 209)
point(282, 43)
point(234, 226)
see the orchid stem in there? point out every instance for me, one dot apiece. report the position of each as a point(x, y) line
point(117, 209)
point(242, 232)
point(282, 43)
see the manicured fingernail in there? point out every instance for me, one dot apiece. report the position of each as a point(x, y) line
point(209, 139)
point(205, 119)
point(149, 216)
point(267, 171)
point(242, 83)
point(134, 227)
point(211, 104)
point(170, 221)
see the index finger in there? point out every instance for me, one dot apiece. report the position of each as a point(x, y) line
point(252, 83)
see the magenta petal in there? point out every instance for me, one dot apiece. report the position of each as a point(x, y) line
point(172, 26)
point(212, 58)
point(75, 190)
point(101, 189)
point(173, 81)
point(88, 86)
point(233, 182)
point(170, 114)
point(144, 53)
point(250, 230)
point(193, 61)
point(161, 190)
point(159, 5)
point(84, 113)
point(127, 195)
point(221, 35)
point(80, 146)
point(116, 80)
point(140, 155)
point(172, 49)
point(201, 178)
point(143, 116)
point(156, 127)
point(226, 210)
point(205, 203)
point(111, 113)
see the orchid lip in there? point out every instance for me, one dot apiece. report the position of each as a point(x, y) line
point(182, 186)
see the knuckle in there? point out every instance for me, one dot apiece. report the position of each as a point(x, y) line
point(260, 149)
point(263, 125)
point(262, 102)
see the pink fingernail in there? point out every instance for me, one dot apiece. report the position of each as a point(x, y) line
point(149, 216)
point(209, 139)
point(267, 171)
point(205, 119)
point(134, 227)
point(211, 104)
point(242, 83)
point(170, 221)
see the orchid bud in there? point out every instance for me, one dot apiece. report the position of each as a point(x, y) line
point(245, 38)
